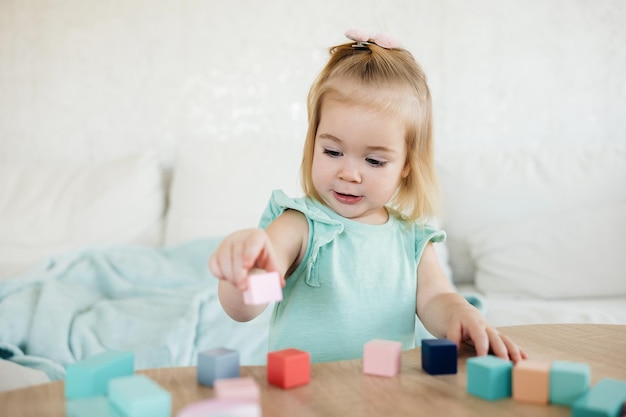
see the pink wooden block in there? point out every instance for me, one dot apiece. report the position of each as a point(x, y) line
point(382, 357)
point(244, 388)
point(263, 288)
point(215, 407)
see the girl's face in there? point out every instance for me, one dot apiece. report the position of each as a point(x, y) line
point(358, 160)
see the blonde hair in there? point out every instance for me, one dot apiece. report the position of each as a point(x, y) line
point(400, 87)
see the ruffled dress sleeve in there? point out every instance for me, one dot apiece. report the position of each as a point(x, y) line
point(425, 234)
point(322, 230)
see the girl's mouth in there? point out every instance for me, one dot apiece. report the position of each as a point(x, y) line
point(347, 198)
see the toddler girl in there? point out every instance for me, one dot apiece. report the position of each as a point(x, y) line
point(355, 253)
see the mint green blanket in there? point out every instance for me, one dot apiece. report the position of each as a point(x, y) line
point(159, 303)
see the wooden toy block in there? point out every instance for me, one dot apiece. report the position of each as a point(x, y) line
point(568, 381)
point(439, 356)
point(90, 407)
point(221, 408)
point(217, 364)
point(245, 389)
point(531, 382)
point(489, 377)
point(139, 396)
point(90, 377)
point(288, 368)
point(604, 399)
point(263, 288)
point(382, 357)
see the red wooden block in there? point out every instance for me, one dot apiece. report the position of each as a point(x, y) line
point(288, 368)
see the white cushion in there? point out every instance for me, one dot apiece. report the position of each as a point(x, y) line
point(513, 310)
point(499, 193)
point(47, 208)
point(221, 187)
point(579, 253)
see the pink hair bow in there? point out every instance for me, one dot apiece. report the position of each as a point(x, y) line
point(363, 38)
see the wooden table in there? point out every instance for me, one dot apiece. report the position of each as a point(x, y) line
point(341, 388)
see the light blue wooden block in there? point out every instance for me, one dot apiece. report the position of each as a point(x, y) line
point(139, 396)
point(568, 381)
point(90, 377)
point(217, 364)
point(90, 407)
point(605, 399)
point(489, 377)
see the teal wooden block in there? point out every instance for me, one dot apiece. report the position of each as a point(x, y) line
point(90, 377)
point(605, 399)
point(90, 407)
point(489, 377)
point(139, 396)
point(568, 381)
point(217, 364)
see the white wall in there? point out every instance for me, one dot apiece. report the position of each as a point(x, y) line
point(92, 79)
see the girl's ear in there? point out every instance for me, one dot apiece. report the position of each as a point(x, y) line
point(406, 170)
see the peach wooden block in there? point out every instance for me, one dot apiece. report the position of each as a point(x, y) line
point(263, 288)
point(382, 357)
point(245, 388)
point(531, 382)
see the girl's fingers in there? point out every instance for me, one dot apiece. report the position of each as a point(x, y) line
point(224, 262)
point(217, 265)
point(515, 353)
point(497, 344)
point(480, 339)
point(239, 271)
point(486, 339)
point(254, 251)
point(241, 252)
point(503, 347)
point(455, 334)
point(214, 267)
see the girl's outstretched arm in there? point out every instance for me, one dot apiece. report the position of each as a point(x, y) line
point(445, 313)
point(279, 248)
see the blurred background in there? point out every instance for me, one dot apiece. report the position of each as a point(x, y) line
point(91, 79)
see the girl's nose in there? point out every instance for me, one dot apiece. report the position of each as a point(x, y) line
point(349, 172)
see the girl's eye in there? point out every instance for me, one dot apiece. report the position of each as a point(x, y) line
point(331, 153)
point(375, 162)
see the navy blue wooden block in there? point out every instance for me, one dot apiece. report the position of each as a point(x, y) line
point(439, 356)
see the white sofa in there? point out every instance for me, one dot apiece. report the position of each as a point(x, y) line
point(537, 234)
